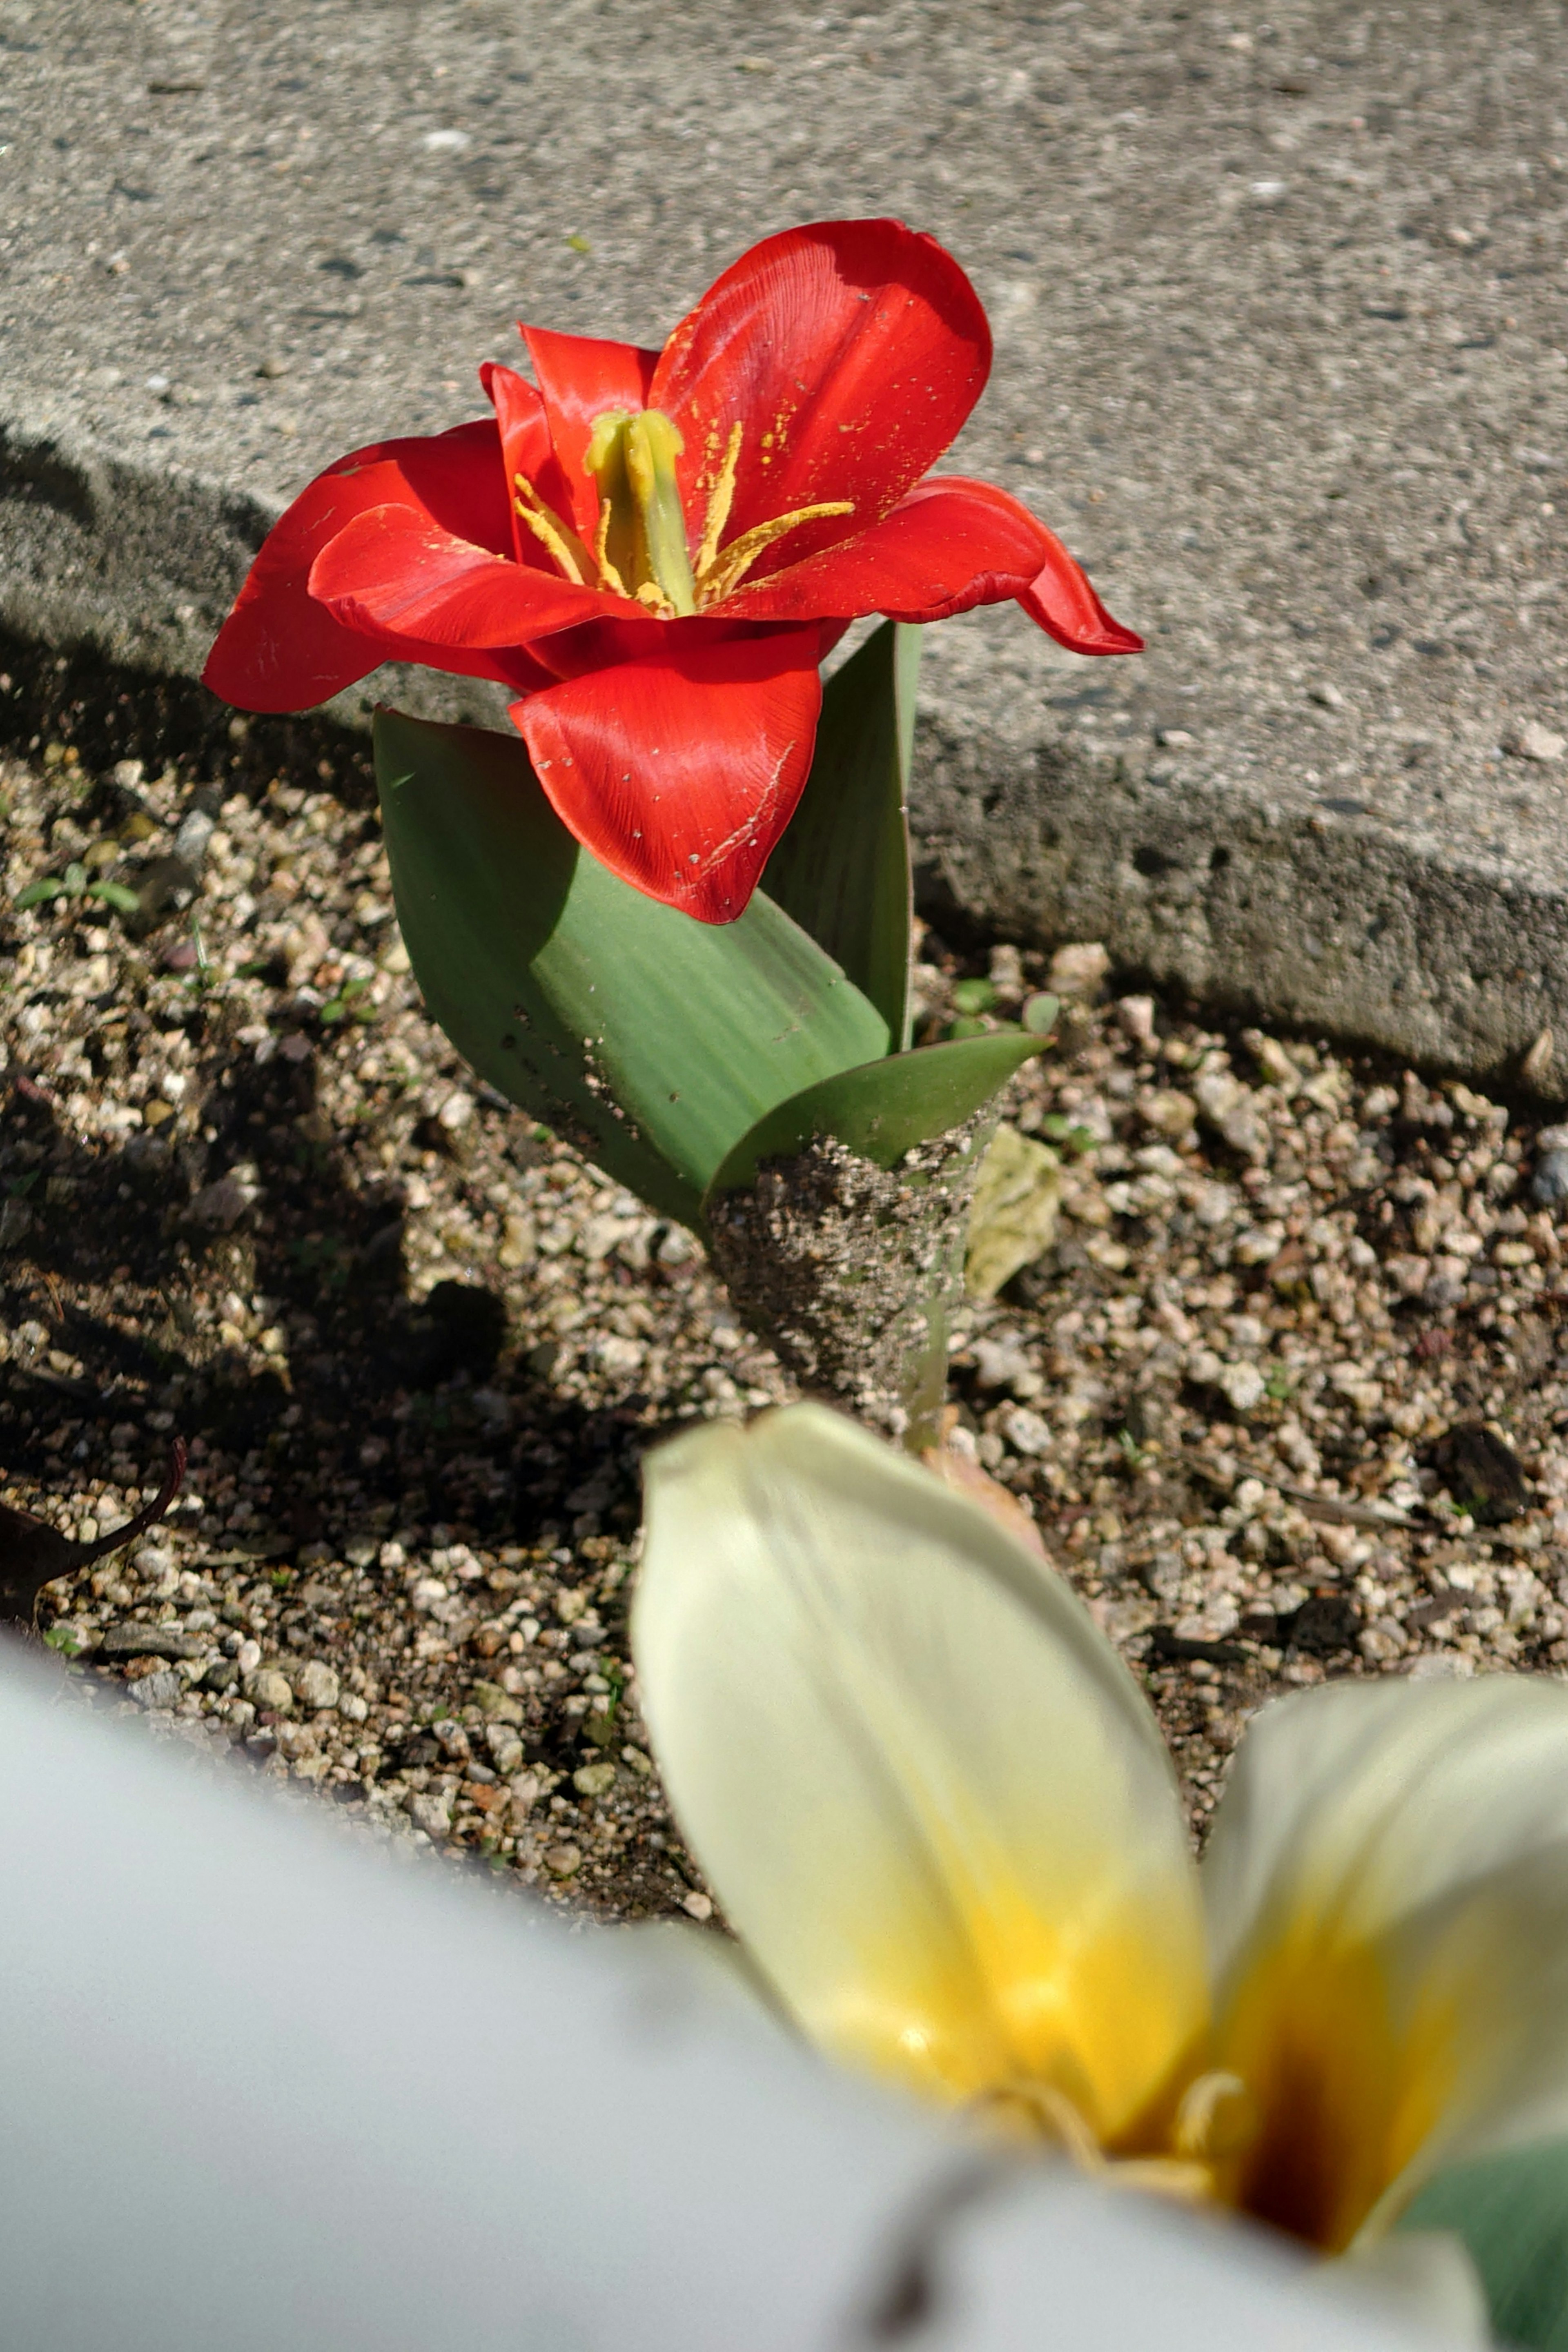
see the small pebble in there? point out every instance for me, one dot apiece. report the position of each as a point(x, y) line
point(1079, 970)
point(157, 1690)
point(1550, 1182)
point(316, 1684)
point(268, 1689)
point(1534, 741)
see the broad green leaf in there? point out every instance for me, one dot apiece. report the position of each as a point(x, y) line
point(651, 1042)
point(1511, 2211)
point(842, 869)
point(115, 894)
point(883, 1108)
point(38, 894)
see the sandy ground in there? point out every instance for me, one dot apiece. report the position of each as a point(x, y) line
point(1285, 1396)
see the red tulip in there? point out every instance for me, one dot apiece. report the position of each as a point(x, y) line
point(655, 548)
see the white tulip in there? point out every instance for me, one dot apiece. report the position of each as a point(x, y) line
point(938, 1811)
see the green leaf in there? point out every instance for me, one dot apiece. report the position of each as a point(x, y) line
point(883, 1108)
point(115, 894)
point(37, 893)
point(842, 869)
point(1511, 2213)
point(651, 1042)
point(76, 878)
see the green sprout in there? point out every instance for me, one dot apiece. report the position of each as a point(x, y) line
point(1073, 1138)
point(74, 884)
point(346, 1005)
point(600, 1729)
point(204, 976)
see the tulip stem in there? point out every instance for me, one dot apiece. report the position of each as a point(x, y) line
point(850, 1271)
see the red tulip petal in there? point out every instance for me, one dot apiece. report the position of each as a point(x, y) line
point(950, 544)
point(849, 351)
point(679, 771)
point(524, 441)
point(580, 377)
point(280, 650)
point(627, 633)
point(394, 570)
point(1062, 601)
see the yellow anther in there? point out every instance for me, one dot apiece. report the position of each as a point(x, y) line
point(741, 553)
point(556, 537)
point(608, 576)
point(1217, 2118)
point(720, 499)
point(617, 542)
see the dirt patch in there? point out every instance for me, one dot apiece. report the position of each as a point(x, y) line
point(1287, 1397)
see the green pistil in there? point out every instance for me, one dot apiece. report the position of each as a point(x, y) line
point(642, 533)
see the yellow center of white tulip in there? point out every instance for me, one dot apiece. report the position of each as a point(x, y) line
point(1301, 2108)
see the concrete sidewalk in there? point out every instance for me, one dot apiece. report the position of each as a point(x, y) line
point(1279, 301)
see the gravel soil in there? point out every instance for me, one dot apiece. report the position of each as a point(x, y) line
point(1287, 1395)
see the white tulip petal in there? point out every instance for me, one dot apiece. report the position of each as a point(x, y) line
point(1387, 1888)
point(1425, 2278)
point(929, 1796)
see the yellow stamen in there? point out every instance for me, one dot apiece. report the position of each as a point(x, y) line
point(1215, 2120)
point(556, 537)
point(741, 553)
point(609, 577)
point(1217, 2117)
point(639, 542)
point(720, 499)
point(618, 541)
